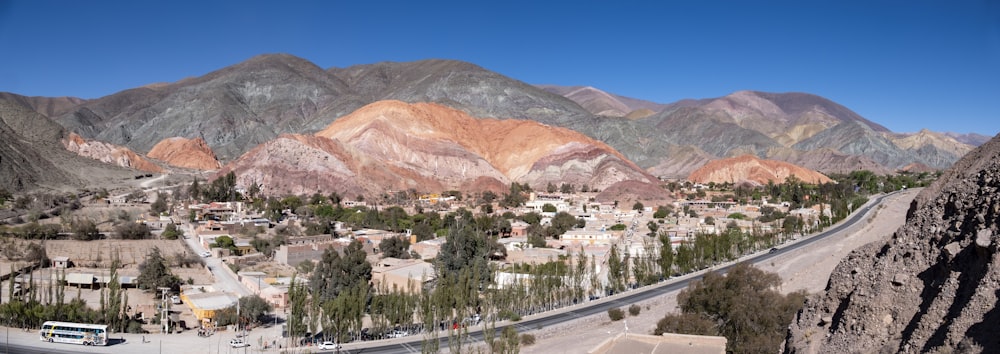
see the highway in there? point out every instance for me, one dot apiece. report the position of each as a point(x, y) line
point(414, 343)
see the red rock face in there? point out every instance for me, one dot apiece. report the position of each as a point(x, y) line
point(186, 153)
point(109, 153)
point(753, 169)
point(391, 145)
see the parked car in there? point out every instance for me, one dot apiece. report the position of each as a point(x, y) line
point(329, 345)
point(397, 334)
point(175, 299)
point(238, 343)
point(472, 320)
point(773, 250)
point(206, 254)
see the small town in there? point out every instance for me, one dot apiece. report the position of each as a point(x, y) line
point(276, 273)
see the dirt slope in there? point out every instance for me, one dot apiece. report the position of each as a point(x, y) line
point(187, 153)
point(753, 169)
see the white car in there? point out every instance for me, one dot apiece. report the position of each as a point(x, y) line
point(175, 299)
point(238, 343)
point(329, 345)
point(397, 334)
point(206, 254)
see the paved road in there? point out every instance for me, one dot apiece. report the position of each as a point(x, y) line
point(414, 343)
point(224, 279)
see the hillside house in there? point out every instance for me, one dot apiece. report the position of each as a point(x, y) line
point(589, 236)
point(205, 302)
point(268, 288)
point(428, 248)
point(536, 202)
point(519, 229)
point(60, 262)
point(294, 254)
point(402, 274)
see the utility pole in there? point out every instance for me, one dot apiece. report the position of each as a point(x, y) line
point(165, 309)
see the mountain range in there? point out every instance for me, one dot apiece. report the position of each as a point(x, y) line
point(392, 145)
point(240, 108)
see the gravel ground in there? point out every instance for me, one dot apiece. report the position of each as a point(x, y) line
point(807, 269)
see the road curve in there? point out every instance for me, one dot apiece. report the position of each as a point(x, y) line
point(624, 299)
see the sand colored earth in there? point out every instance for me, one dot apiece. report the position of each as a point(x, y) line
point(753, 169)
point(186, 153)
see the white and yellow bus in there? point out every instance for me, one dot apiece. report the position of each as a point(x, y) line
point(74, 333)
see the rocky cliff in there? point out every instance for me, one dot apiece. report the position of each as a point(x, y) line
point(109, 153)
point(186, 153)
point(749, 168)
point(933, 286)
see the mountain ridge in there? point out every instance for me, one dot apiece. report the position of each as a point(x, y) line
point(429, 146)
point(236, 108)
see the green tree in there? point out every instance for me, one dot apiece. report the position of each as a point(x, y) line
point(548, 208)
point(662, 211)
point(744, 305)
point(225, 241)
point(154, 273)
point(160, 205)
point(253, 310)
point(638, 206)
point(132, 231)
point(223, 189)
point(466, 248)
point(508, 342)
point(85, 230)
point(297, 298)
point(616, 270)
point(666, 260)
point(562, 222)
point(195, 189)
point(395, 247)
point(334, 272)
point(652, 226)
point(171, 232)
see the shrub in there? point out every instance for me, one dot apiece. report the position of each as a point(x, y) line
point(509, 315)
point(527, 339)
point(616, 314)
point(634, 310)
point(742, 305)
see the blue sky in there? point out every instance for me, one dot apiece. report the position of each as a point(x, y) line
point(904, 64)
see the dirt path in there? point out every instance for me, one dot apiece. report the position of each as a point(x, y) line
point(807, 268)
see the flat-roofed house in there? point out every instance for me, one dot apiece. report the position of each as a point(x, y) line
point(403, 274)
